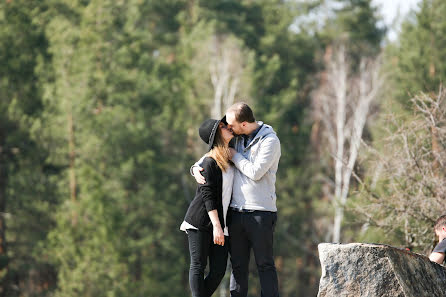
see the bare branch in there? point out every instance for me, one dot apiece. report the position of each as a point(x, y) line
point(342, 104)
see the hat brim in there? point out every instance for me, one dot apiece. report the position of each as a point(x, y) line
point(214, 132)
point(223, 119)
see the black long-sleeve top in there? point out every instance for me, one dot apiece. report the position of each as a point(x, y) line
point(207, 197)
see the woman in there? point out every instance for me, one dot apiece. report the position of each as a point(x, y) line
point(206, 216)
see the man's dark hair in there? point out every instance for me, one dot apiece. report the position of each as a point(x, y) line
point(242, 112)
point(441, 222)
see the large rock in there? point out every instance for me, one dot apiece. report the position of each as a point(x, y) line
point(358, 269)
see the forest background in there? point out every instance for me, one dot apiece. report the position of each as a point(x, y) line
point(99, 107)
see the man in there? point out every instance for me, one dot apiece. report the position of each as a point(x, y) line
point(253, 213)
point(439, 251)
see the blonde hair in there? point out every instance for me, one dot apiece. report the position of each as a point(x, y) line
point(220, 152)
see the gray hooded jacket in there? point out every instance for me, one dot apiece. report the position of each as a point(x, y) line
point(257, 163)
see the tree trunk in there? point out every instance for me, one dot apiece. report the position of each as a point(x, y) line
point(225, 75)
point(4, 261)
point(72, 156)
point(340, 69)
point(347, 134)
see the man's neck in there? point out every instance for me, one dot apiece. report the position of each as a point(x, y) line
point(252, 127)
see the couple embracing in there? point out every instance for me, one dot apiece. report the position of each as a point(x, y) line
point(234, 209)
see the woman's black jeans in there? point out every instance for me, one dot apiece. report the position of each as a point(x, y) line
point(202, 247)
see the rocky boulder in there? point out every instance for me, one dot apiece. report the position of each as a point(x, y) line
point(372, 270)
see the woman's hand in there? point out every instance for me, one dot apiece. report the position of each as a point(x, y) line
point(219, 236)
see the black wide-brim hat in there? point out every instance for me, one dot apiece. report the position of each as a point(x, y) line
point(208, 130)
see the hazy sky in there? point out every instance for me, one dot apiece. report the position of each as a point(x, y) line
point(390, 8)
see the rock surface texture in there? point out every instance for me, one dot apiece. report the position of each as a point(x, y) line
point(372, 270)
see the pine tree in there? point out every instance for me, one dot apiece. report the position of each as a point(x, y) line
point(26, 189)
point(116, 103)
point(416, 59)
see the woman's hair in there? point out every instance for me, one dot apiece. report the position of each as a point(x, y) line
point(220, 152)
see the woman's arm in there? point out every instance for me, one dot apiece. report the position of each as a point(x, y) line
point(219, 237)
point(209, 194)
point(209, 190)
point(437, 257)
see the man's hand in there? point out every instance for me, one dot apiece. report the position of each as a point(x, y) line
point(232, 152)
point(197, 174)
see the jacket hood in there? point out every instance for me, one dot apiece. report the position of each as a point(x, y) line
point(265, 130)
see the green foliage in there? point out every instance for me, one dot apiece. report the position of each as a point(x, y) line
point(26, 192)
point(124, 100)
point(356, 23)
point(359, 19)
point(100, 104)
point(416, 59)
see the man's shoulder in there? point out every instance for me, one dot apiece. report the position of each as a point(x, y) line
point(440, 247)
point(267, 131)
point(271, 138)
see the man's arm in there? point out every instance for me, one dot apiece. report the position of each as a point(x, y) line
point(437, 257)
point(269, 152)
point(196, 169)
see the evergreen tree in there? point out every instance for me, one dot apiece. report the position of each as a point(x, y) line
point(416, 59)
point(26, 187)
point(356, 23)
point(115, 105)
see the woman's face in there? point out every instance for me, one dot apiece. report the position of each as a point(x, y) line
point(226, 133)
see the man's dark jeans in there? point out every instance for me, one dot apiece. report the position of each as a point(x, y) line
point(202, 247)
point(252, 230)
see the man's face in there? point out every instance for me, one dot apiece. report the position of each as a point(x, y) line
point(236, 127)
point(441, 233)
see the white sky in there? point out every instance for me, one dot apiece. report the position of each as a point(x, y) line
point(391, 9)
